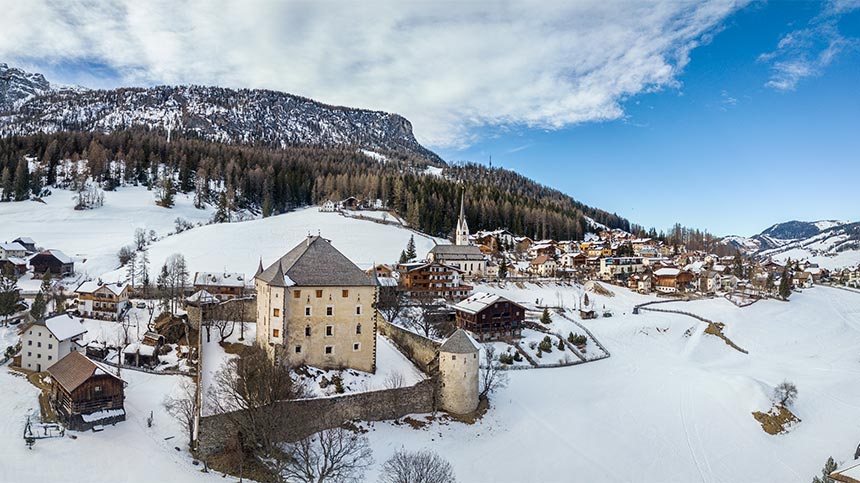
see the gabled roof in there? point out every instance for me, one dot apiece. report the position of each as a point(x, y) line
point(667, 272)
point(226, 279)
point(314, 262)
point(62, 326)
point(458, 252)
point(93, 285)
point(13, 247)
point(202, 297)
point(25, 239)
point(74, 369)
point(460, 342)
point(60, 256)
point(480, 301)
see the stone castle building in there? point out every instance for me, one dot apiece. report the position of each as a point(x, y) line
point(315, 307)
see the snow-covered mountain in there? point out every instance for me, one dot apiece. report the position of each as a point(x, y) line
point(30, 104)
point(830, 243)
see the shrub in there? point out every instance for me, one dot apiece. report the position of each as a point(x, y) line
point(506, 358)
point(545, 317)
point(518, 357)
point(561, 345)
point(545, 345)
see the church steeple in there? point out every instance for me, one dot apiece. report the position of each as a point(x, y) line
point(462, 237)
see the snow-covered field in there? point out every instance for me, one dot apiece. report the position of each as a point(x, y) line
point(668, 407)
point(93, 237)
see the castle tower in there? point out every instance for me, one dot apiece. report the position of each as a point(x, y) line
point(462, 226)
point(458, 373)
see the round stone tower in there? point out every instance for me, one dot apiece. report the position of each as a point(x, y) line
point(458, 373)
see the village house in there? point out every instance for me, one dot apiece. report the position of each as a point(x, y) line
point(490, 317)
point(543, 248)
point(85, 394)
point(44, 342)
point(12, 250)
point(224, 286)
point(802, 280)
point(315, 307)
point(53, 262)
point(28, 243)
point(432, 279)
point(573, 259)
point(709, 282)
point(672, 280)
point(729, 283)
point(543, 266)
point(328, 206)
point(640, 282)
point(105, 301)
point(614, 267)
point(852, 277)
point(648, 252)
point(15, 266)
point(144, 353)
point(522, 244)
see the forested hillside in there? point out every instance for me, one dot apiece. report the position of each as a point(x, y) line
point(269, 180)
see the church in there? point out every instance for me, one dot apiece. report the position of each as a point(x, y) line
point(462, 254)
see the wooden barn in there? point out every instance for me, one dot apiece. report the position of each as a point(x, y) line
point(85, 394)
point(53, 262)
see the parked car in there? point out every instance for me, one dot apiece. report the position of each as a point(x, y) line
point(141, 305)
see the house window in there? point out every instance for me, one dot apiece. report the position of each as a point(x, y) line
point(358, 310)
point(97, 389)
point(38, 344)
point(50, 357)
point(329, 349)
point(297, 294)
point(319, 294)
point(356, 346)
point(358, 328)
point(329, 330)
point(298, 349)
point(39, 355)
point(345, 293)
point(307, 311)
point(329, 311)
point(30, 342)
point(276, 333)
point(50, 346)
point(29, 354)
point(453, 357)
point(276, 312)
point(307, 331)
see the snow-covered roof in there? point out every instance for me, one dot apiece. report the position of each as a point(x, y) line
point(26, 239)
point(13, 247)
point(387, 281)
point(137, 348)
point(460, 342)
point(62, 257)
point(219, 279)
point(64, 327)
point(203, 297)
point(479, 302)
point(93, 285)
point(667, 272)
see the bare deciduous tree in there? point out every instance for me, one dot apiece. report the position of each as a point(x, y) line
point(394, 380)
point(333, 456)
point(785, 393)
point(417, 467)
point(391, 304)
point(246, 389)
point(492, 375)
point(183, 406)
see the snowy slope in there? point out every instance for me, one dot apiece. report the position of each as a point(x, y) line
point(667, 407)
point(93, 237)
point(238, 247)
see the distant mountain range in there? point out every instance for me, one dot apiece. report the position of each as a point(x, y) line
point(802, 240)
point(29, 104)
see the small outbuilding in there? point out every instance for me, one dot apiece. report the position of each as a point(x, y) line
point(85, 394)
point(53, 262)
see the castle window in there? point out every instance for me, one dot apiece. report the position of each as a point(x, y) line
point(345, 293)
point(329, 330)
point(329, 349)
point(298, 349)
point(307, 311)
point(307, 331)
point(276, 312)
point(276, 333)
point(453, 357)
point(358, 310)
point(329, 311)
point(356, 346)
point(358, 328)
point(319, 294)
point(297, 294)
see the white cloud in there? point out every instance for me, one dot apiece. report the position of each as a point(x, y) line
point(807, 52)
point(449, 67)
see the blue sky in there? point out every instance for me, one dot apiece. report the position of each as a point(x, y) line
point(722, 151)
point(728, 115)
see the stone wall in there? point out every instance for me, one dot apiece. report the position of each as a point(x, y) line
point(304, 417)
point(420, 350)
point(196, 315)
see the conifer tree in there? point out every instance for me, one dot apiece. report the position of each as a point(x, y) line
point(6, 184)
point(410, 248)
point(37, 310)
point(503, 268)
point(22, 180)
point(829, 468)
point(8, 293)
point(785, 284)
point(545, 318)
